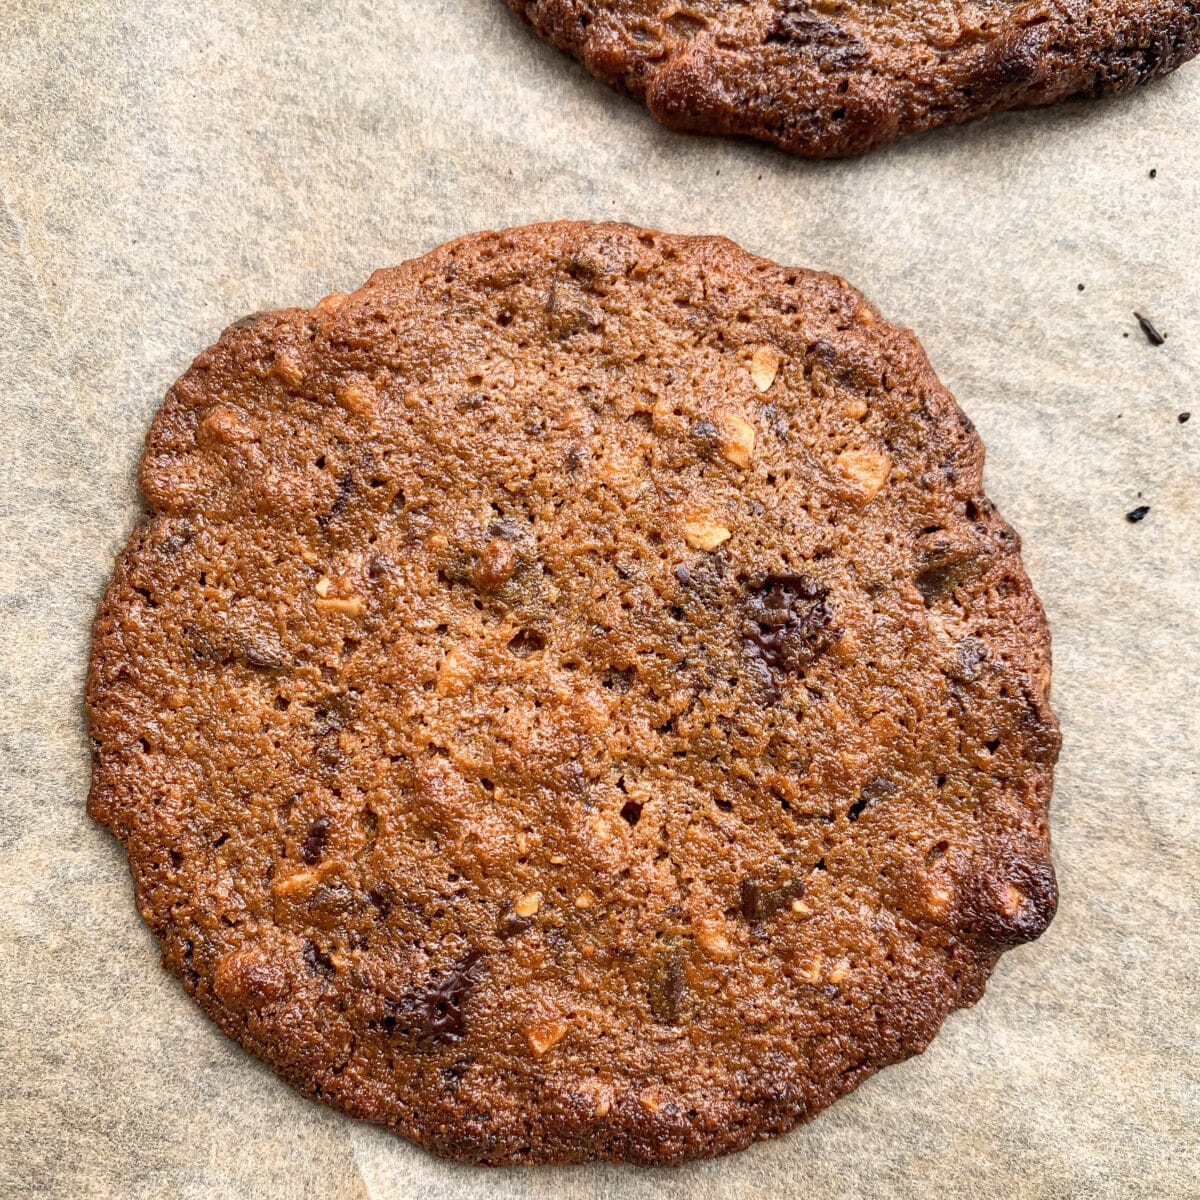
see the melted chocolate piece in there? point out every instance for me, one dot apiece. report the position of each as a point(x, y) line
point(791, 623)
point(434, 1014)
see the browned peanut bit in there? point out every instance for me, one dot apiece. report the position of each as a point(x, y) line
point(571, 698)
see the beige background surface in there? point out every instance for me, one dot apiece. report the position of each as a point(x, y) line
point(169, 167)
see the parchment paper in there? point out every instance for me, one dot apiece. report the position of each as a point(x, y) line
point(167, 168)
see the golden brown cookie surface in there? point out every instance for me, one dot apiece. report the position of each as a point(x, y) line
point(828, 78)
point(571, 698)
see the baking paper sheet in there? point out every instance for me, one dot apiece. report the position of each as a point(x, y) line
point(167, 168)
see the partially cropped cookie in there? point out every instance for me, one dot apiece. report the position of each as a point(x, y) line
point(572, 699)
point(824, 78)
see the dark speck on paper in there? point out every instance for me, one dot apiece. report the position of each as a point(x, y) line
point(1152, 335)
point(1184, 418)
point(1137, 514)
point(1153, 173)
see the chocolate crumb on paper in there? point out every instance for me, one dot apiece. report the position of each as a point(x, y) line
point(1137, 514)
point(1184, 418)
point(1152, 335)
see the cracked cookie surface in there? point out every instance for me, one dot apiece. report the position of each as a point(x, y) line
point(572, 699)
point(828, 78)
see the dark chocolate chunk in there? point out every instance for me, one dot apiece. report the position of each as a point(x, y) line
point(510, 924)
point(1137, 514)
point(262, 654)
point(345, 486)
point(314, 843)
point(1184, 418)
point(381, 899)
point(665, 988)
point(875, 790)
point(971, 653)
point(804, 32)
point(706, 437)
point(759, 901)
point(316, 960)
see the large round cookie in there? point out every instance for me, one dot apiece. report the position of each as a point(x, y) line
point(572, 699)
point(835, 77)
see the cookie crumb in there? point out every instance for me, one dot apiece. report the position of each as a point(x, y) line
point(1134, 515)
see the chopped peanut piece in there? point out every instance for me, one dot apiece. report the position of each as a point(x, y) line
point(223, 427)
point(301, 881)
point(840, 972)
point(323, 586)
point(289, 368)
point(764, 366)
point(455, 672)
point(809, 972)
point(357, 396)
point(545, 1036)
point(585, 899)
point(1014, 900)
point(866, 469)
point(937, 898)
point(705, 535)
point(528, 904)
point(737, 438)
point(716, 945)
point(856, 408)
point(332, 302)
point(352, 606)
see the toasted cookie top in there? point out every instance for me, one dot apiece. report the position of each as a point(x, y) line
point(834, 77)
point(572, 699)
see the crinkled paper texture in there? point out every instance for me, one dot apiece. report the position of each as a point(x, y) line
point(167, 168)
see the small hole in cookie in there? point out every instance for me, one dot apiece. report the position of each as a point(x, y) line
point(527, 642)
